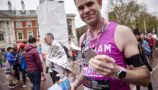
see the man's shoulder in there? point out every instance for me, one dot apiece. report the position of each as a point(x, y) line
point(123, 30)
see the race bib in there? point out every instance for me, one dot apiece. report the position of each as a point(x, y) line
point(96, 84)
point(89, 72)
point(95, 80)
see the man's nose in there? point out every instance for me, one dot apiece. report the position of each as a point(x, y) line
point(86, 10)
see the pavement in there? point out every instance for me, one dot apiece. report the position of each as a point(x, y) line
point(48, 82)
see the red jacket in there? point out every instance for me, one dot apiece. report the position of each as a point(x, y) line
point(151, 42)
point(32, 58)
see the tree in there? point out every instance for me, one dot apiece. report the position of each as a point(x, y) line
point(126, 13)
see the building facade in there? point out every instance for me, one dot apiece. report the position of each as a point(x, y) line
point(17, 26)
point(25, 25)
point(7, 36)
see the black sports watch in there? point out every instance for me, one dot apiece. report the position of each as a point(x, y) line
point(121, 74)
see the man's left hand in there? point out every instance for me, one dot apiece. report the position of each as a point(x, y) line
point(104, 64)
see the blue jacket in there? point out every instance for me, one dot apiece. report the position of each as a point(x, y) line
point(22, 61)
point(10, 58)
point(146, 47)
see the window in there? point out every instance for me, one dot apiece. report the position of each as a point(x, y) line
point(22, 12)
point(19, 35)
point(32, 12)
point(1, 37)
point(18, 24)
point(27, 12)
point(28, 24)
point(29, 34)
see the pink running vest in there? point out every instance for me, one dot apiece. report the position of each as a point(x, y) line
point(107, 46)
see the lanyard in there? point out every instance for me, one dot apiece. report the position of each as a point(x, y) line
point(87, 43)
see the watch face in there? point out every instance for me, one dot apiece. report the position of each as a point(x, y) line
point(122, 75)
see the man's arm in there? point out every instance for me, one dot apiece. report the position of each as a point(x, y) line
point(9, 58)
point(80, 78)
point(78, 81)
point(107, 66)
point(140, 75)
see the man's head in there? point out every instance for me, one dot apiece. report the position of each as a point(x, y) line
point(49, 38)
point(137, 34)
point(32, 40)
point(142, 36)
point(89, 10)
point(10, 49)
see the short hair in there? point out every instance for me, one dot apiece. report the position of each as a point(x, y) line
point(75, 2)
point(24, 42)
point(32, 40)
point(136, 32)
point(51, 35)
point(9, 48)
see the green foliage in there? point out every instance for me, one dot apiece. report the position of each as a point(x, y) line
point(133, 15)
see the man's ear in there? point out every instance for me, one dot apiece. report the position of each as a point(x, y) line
point(100, 2)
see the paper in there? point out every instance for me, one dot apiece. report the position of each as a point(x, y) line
point(55, 87)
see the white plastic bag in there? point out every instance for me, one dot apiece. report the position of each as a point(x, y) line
point(55, 87)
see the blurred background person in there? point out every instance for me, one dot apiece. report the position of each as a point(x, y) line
point(34, 66)
point(22, 63)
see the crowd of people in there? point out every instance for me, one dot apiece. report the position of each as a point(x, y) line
point(148, 42)
point(27, 58)
point(24, 58)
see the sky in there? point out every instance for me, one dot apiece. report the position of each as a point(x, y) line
point(69, 7)
point(152, 6)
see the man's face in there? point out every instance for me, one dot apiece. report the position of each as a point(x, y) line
point(48, 40)
point(137, 36)
point(89, 10)
point(11, 50)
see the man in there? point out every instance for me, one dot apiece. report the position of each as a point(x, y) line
point(141, 40)
point(144, 46)
point(112, 43)
point(16, 66)
point(22, 61)
point(151, 41)
point(39, 49)
point(56, 59)
point(49, 40)
point(34, 66)
point(10, 64)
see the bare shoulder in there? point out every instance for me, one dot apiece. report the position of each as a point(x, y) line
point(126, 33)
point(124, 30)
point(129, 40)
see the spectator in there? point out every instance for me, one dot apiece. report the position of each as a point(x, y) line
point(34, 66)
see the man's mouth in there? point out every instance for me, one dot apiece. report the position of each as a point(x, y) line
point(87, 17)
